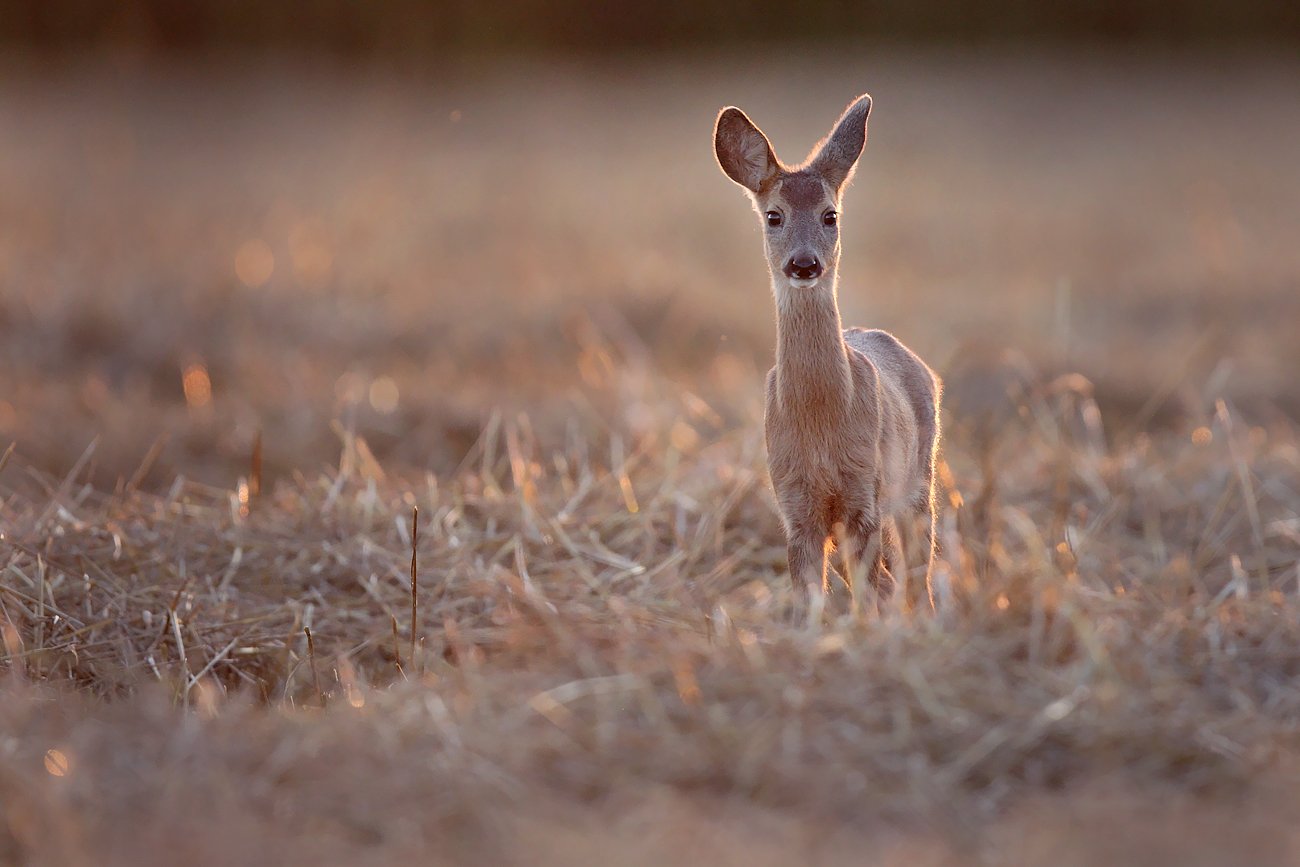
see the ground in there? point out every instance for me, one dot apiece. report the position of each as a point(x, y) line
point(254, 315)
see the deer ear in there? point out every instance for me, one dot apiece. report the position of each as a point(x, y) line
point(838, 154)
point(745, 154)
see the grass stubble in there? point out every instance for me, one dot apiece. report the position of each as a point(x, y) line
point(594, 674)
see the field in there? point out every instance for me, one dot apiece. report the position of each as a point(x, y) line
point(254, 315)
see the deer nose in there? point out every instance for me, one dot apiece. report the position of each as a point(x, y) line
point(804, 267)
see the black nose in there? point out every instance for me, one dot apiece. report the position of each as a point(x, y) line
point(804, 267)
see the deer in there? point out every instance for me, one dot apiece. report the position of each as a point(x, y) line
point(851, 417)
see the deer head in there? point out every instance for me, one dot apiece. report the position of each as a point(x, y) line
point(799, 205)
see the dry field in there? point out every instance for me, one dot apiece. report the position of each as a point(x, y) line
point(252, 315)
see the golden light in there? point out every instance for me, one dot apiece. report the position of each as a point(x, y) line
point(56, 763)
point(207, 698)
point(313, 262)
point(350, 388)
point(629, 496)
point(384, 395)
point(683, 436)
point(351, 683)
point(254, 263)
point(197, 385)
point(1003, 602)
point(12, 640)
point(688, 688)
point(241, 491)
point(1202, 436)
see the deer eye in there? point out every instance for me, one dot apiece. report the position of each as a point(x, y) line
point(830, 218)
point(773, 218)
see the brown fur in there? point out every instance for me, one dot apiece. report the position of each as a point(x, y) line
point(852, 417)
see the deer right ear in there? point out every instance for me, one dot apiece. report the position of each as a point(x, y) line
point(745, 154)
point(838, 154)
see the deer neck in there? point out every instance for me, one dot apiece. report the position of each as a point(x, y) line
point(812, 363)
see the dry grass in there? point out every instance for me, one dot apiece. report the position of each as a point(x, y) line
point(523, 339)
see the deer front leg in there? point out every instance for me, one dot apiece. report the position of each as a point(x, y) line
point(871, 551)
point(806, 551)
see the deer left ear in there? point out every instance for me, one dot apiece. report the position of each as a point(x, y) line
point(839, 152)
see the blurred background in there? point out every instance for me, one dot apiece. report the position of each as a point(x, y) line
point(225, 219)
point(350, 28)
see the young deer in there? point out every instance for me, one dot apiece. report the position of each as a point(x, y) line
point(852, 417)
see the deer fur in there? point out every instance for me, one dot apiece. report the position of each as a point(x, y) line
point(852, 417)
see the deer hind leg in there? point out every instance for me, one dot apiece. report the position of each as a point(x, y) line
point(927, 511)
point(905, 567)
point(930, 537)
point(917, 588)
